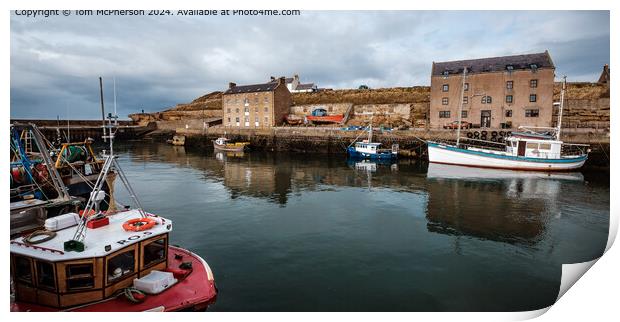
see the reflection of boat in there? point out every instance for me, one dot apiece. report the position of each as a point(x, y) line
point(125, 264)
point(523, 151)
point(177, 140)
point(367, 149)
point(448, 171)
point(223, 144)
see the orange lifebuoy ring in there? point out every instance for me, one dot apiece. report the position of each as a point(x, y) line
point(139, 224)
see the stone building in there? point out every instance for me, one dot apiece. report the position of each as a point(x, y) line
point(257, 105)
point(507, 91)
point(295, 86)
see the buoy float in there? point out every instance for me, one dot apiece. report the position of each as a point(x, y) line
point(139, 224)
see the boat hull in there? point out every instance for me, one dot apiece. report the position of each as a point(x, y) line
point(374, 156)
point(221, 147)
point(195, 292)
point(439, 153)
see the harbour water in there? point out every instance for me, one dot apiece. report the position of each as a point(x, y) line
point(302, 232)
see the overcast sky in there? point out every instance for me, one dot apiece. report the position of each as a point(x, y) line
point(161, 61)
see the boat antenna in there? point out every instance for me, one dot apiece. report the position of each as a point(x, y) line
point(458, 128)
point(557, 135)
point(114, 81)
point(102, 108)
point(370, 131)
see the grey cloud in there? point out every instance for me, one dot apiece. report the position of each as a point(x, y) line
point(159, 62)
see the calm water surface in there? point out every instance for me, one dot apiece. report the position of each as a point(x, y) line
point(287, 232)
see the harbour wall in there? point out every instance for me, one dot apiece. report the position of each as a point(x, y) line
point(335, 140)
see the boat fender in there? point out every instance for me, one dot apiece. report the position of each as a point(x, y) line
point(502, 133)
point(186, 265)
point(179, 273)
point(494, 133)
point(139, 224)
point(476, 134)
point(470, 135)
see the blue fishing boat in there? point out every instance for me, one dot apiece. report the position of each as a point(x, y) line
point(366, 149)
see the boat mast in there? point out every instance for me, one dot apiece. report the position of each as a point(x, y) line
point(458, 129)
point(370, 131)
point(557, 133)
point(102, 108)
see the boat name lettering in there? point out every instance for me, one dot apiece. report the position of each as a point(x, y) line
point(134, 237)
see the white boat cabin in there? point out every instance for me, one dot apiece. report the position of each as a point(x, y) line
point(365, 147)
point(534, 148)
point(46, 274)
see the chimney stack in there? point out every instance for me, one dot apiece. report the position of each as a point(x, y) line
point(231, 85)
point(273, 79)
point(282, 80)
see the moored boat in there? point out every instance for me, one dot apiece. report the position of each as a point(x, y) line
point(526, 150)
point(366, 149)
point(125, 264)
point(224, 144)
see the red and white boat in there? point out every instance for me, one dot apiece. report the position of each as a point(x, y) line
point(119, 261)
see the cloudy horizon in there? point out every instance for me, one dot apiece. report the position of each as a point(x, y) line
point(158, 62)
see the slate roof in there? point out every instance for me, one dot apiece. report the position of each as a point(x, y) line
point(266, 87)
point(493, 64)
point(302, 87)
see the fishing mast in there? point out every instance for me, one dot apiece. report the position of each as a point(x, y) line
point(559, 129)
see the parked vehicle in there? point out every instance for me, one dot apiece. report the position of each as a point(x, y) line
point(455, 125)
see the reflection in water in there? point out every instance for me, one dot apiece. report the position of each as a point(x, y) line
point(501, 205)
point(367, 235)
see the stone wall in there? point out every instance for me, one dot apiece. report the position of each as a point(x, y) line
point(586, 113)
point(332, 108)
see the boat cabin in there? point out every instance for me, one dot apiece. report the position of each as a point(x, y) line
point(47, 274)
point(533, 148)
point(366, 147)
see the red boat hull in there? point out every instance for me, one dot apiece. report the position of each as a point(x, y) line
point(194, 292)
point(326, 119)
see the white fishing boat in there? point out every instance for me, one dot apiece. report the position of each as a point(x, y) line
point(526, 150)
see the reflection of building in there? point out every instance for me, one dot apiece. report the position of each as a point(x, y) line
point(257, 105)
point(510, 90)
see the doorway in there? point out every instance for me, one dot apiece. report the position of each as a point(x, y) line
point(485, 118)
point(521, 148)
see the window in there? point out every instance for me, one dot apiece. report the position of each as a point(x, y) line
point(256, 109)
point(532, 97)
point(508, 113)
point(466, 87)
point(305, 109)
point(45, 275)
point(246, 109)
point(509, 85)
point(544, 146)
point(228, 110)
point(533, 83)
point(531, 145)
point(246, 101)
point(444, 101)
point(330, 109)
point(486, 100)
point(445, 87)
point(508, 98)
point(80, 276)
point(266, 119)
point(256, 99)
point(531, 113)
point(229, 120)
point(266, 109)
point(444, 114)
point(510, 68)
point(246, 119)
point(266, 99)
point(237, 119)
point(121, 265)
point(237, 110)
point(23, 270)
point(463, 114)
point(154, 252)
point(465, 99)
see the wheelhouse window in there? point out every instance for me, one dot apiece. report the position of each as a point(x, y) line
point(121, 265)
point(533, 83)
point(155, 251)
point(46, 278)
point(544, 146)
point(531, 145)
point(23, 269)
point(509, 99)
point(509, 84)
point(445, 87)
point(531, 113)
point(532, 98)
point(80, 276)
point(444, 114)
point(508, 113)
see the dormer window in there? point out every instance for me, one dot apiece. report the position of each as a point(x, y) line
point(534, 67)
point(510, 68)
